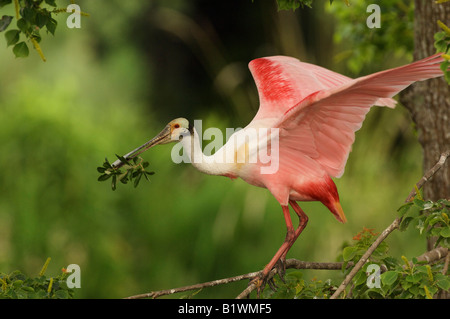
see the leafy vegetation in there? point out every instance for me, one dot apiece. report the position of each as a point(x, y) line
point(428, 217)
point(442, 44)
point(132, 170)
point(383, 276)
point(32, 17)
point(17, 285)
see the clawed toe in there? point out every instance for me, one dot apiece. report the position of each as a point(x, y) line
point(280, 266)
point(262, 279)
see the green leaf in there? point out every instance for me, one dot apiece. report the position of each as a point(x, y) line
point(106, 164)
point(414, 278)
point(404, 208)
point(123, 159)
point(293, 4)
point(4, 2)
point(409, 215)
point(21, 50)
point(61, 294)
point(441, 45)
point(439, 35)
point(419, 203)
point(288, 4)
point(114, 182)
point(101, 169)
point(51, 2)
point(349, 252)
point(29, 14)
point(136, 181)
point(51, 25)
point(390, 262)
point(5, 22)
point(389, 277)
point(360, 278)
point(42, 19)
point(445, 232)
point(23, 25)
point(12, 37)
point(374, 294)
point(104, 177)
point(442, 281)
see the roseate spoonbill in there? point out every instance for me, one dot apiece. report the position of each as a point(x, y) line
point(316, 112)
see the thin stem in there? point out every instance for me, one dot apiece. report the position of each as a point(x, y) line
point(391, 227)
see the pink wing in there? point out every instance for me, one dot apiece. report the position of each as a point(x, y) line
point(283, 82)
point(322, 125)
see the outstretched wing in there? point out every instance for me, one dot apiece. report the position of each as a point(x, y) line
point(323, 124)
point(283, 82)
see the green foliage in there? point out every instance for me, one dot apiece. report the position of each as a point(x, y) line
point(370, 46)
point(293, 4)
point(399, 279)
point(382, 277)
point(133, 170)
point(32, 16)
point(429, 217)
point(442, 44)
point(17, 285)
point(294, 286)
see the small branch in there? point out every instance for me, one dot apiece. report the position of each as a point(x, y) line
point(156, 294)
point(290, 263)
point(298, 264)
point(434, 255)
point(429, 174)
point(366, 256)
point(447, 260)
point(17, 7)
point(391, 227)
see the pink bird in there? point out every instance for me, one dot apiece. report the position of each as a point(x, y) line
point(305, 127)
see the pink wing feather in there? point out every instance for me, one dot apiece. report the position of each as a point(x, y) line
point(283, 82)
point(319, 111)
point(326, 120)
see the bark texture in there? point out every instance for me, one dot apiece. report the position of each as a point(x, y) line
point(429, 101)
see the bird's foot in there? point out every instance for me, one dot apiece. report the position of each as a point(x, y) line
point(260, 282)
point(266, 278)
point(280, 266)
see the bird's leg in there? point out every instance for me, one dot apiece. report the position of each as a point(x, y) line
point(290, 237)
point(302, 221)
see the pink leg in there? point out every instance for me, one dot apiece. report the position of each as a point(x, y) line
point(291, 237)
point(303, 220)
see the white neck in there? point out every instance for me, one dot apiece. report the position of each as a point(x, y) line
point(213, 164)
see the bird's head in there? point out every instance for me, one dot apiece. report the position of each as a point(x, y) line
point(174, 131)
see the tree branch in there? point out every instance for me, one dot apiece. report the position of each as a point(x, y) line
point(429, 174)
point(290, 264)
point(430, 256)
point(391, 227)
point(366, 256)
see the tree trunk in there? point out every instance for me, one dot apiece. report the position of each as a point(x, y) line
point(429, 101)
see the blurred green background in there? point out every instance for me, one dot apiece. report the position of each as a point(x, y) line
point(132, 67)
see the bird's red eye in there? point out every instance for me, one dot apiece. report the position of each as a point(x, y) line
point(176, 126)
